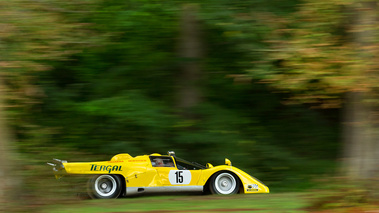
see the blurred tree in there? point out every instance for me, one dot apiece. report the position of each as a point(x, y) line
point(32, 34)
point(190, 52)
point(361, 135)
point(117, 87)
point(324, 56)
point(10, 187)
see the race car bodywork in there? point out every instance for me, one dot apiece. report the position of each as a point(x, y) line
point(127, 175)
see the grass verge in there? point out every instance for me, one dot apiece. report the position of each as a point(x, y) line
point(286, 202)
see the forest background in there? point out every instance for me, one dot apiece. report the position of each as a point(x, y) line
point(285, 89)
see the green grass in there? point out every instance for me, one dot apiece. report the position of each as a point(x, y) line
point(284, 202)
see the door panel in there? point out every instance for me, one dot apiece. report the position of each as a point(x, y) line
point(173, 176)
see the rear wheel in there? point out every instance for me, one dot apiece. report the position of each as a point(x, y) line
point(105, 186)
point(224, 183)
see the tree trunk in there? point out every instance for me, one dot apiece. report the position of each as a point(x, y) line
point(190, 52)
point(8, 181)
point(361, 140)
point(357, 136)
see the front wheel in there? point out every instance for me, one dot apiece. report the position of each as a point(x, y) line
point(105, 186)
point(224, 183)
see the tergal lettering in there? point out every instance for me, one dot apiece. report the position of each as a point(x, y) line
point(104, 168)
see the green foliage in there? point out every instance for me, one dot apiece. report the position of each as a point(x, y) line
point(108, 84)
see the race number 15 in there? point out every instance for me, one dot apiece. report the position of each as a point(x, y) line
point(179, 177)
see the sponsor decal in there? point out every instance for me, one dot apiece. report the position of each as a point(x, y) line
point(252, 187)
point(137, 160)
point(104, 168)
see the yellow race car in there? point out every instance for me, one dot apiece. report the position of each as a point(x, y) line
point(126, 175)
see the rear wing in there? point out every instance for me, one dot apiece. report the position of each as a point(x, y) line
point(62, 167)
point(58, 167)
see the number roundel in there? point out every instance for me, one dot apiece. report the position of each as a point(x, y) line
point(179, 177)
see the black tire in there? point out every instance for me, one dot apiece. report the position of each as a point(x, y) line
point(224, 183)
point(104, 186)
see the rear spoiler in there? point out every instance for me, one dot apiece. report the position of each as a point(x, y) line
point(58, 167)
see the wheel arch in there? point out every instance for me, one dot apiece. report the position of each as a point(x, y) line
point(207, 183)
point(123, 185)
point(92, 178)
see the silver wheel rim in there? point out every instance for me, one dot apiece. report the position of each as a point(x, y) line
point(105, 185)
point(225, 183)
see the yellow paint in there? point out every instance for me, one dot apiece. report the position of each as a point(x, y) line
point(228, 162)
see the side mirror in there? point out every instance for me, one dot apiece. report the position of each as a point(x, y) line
point(171, 153)
point(209, 165)
point(228, 162)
